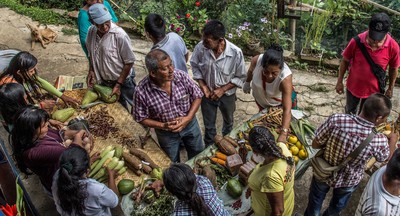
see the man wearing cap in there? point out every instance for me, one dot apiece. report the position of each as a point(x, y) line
point(110, 55)
point(361, 81)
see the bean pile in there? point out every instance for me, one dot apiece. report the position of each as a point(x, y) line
point(101, 123)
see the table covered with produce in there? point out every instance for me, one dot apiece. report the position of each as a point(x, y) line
point(227, 164)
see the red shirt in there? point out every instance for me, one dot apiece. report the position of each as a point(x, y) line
point(361, 81)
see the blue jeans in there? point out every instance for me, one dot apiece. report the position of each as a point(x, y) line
point(227, 106)
point(190, 137)
point(318, 191)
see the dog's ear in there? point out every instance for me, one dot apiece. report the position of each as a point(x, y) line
point(29, 26)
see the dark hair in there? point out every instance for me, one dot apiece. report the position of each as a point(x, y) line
point(180, 181)
point(12, 98)
point(22, 63)
point(24, 134)
point(273, 56)
point(215, 29)
point(376, 105)
point(263, 142)
point(393, 166)
point(153, 57)
point(154, 24)
point(74, 163)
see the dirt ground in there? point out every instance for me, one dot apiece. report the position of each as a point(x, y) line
point(65, 57)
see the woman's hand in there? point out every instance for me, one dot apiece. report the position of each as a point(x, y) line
point(282, 137)
point(78, 138)
point(47, 104)
point(69, 100)
point(57, 124)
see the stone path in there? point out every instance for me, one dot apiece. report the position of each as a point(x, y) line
point(316, 94)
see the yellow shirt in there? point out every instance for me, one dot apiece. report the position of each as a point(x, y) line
point(274, 177)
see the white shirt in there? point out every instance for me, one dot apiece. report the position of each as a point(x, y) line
point(271, 95)
point(217, 72)
point(110, 53)
point(375, 200)
point(99, 199)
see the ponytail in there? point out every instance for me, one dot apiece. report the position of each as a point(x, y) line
point(180, 181)
point(74, 162)
point(262, 141)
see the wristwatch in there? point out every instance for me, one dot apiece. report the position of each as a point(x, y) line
point(285, 130)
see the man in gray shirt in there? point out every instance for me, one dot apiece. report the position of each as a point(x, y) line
point(218, 66)
point(171, 43)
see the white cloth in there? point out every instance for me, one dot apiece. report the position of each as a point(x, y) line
point(99, 199)
point(271, 95)
point(228, 67)
point(375, 200)
point(174, 45)
point(109, 53)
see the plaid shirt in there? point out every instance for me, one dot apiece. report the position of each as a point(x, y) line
point(151, 102)
point(207, 191)
point(340, 135)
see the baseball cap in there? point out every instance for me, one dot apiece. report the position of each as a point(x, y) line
point(379, 26)
point(99, 13)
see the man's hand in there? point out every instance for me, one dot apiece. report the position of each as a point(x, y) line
point(177, 124)
point(69, 100)
point(217, 93)
point(206, 91)
point(116, 90)
point(339, 88)
point(247, 88)
point(90, 79)
point(389, 93)
point(47, 104)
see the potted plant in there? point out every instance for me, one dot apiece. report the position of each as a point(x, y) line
point(311, 47)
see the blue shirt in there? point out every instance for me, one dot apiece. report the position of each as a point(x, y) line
point(174, 45)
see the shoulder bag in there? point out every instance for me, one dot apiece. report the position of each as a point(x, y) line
point(323, 171)
point(376, 69)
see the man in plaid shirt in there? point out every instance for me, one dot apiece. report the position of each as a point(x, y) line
point(340, 135)
point(167, 100)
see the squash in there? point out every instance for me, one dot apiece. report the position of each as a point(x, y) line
point(125, 186)
point(234, 188)
point(105, 93)
point(90, 96)
point(63, 114)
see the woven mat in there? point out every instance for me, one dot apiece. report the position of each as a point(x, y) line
point(128, 129)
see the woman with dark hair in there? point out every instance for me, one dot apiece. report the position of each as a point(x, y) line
point(76, 194)
point(12, 98)
point(84, 22)
point(271, 82)
point(23, 70)
point(195, 193)
point(37, 147)
point(271, 182)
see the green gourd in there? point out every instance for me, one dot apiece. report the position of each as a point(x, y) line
point(105, 93)
point(89, 97)
point(234, 188)
point(63, 114)
point(125, 186)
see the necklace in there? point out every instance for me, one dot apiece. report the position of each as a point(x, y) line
point(62, 144)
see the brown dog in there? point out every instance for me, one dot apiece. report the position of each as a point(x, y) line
point(44, 36)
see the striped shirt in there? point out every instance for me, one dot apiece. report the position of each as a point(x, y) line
point(375, 200)
point(229, 67)
point(207, 191)
point(151, 102)
point(340, 135)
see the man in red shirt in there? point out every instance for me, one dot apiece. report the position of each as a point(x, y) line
point(361, 81)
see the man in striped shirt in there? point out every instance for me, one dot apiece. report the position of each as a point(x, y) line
point(381, 196)
point(340, 135)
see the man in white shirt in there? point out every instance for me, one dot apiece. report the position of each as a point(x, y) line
point(218, 66)
point(381, 196)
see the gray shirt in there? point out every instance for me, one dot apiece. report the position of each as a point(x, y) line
point(228, 67)
point(174, 45)
point(99, 199)
point(110, 53)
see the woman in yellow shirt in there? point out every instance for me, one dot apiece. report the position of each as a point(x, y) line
point(271, 182)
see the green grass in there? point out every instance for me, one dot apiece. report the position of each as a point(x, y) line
point(69, 31)
point(44, 16)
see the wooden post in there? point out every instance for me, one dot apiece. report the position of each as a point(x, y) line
point(382, 7)
point(292, 27)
